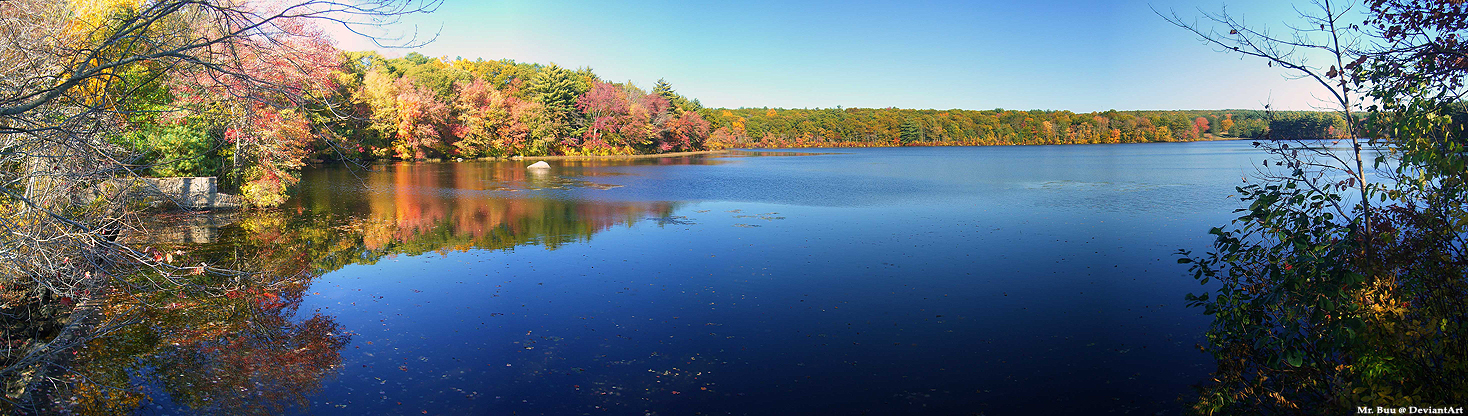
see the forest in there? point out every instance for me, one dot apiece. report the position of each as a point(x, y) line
point(416, 107)
point(866, 127)
point(366, 106)
point(363, 106)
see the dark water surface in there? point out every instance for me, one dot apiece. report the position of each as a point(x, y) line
point(990, 280)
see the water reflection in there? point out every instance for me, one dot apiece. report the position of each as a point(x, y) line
point(248, 352)
point(884, 281)
point(256, 350)
point(427, 207)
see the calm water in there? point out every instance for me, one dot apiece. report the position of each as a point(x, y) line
point(995, 280)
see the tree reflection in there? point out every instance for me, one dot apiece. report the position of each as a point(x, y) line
point(253, 350)
point(244, 354)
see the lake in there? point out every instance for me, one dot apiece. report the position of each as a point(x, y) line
point(978, 280)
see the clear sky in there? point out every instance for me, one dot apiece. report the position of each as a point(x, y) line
point(1042, 54)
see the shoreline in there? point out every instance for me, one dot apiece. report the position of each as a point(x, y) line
point(726, 151)
point(617, 157)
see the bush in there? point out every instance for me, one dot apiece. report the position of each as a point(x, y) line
point(169, 151)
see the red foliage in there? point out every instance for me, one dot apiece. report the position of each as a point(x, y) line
point(603, 100)
point(261, 81)
point(283, 69)
point(421, 116)
point(625, 118)
point(684, 133)
point(491, 122)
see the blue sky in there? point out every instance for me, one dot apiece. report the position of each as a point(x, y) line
point(1061, 55)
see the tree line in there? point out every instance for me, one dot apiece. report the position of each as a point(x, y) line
point(366, 106)
point(872, 127)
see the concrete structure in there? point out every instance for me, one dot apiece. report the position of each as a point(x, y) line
point(187, 193)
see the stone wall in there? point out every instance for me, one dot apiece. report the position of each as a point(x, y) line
point(189, 193)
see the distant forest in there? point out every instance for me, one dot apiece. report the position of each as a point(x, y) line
point(862, 127)
point(418, 107)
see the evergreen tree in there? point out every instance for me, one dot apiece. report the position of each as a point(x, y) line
point(910, 132)
point(679, 103)
point(557, 89)
point(665, 90)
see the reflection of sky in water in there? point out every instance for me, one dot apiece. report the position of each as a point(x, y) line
point(928, 280)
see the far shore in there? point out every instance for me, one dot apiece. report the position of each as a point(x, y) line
point(614, 157)
point(828, 145)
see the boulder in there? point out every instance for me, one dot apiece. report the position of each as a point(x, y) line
point(538, 165)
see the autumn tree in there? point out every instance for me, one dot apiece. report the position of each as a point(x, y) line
point(1200, 126)
point(258, 96)
point(684, 132)
point(493, 122)
point(421, 121)
point(68, 91)
point(481, 112)
point(618, 117)
point(1334, 291)
point(378, 96)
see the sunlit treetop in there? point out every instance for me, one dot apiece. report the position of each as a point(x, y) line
point(89, 15)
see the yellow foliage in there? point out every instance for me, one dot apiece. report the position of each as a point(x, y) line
point(89, 15)
point(86, 21)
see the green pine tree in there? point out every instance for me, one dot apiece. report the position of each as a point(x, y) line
point(665, 90)
point(910, 132)
point(679, 103)
point(557, 89)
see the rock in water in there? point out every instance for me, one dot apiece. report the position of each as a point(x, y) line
point(538, 165)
